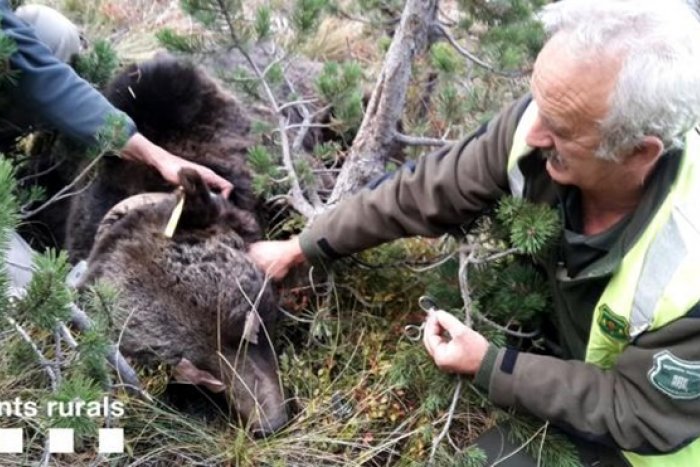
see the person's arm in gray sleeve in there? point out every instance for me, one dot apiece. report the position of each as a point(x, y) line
point(50, 91)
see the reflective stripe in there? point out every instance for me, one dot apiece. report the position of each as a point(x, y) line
point(672, 254)
point(664, 257)
point(516, 179)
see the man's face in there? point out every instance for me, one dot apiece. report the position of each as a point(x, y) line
point(572, 96)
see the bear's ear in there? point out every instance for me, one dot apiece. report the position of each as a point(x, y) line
point(202, 207)
point(187, 372)
point(133, 203)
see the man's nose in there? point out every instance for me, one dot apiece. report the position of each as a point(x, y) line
point(539, 136)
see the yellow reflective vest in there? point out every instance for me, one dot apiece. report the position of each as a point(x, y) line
point(655, 283)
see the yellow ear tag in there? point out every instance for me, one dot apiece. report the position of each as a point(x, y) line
point(174, 217)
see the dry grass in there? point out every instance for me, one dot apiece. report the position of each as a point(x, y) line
point(362, 393)
point(342, 40)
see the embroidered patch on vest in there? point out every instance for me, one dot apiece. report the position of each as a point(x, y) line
point(613, 325)
point(677, 378)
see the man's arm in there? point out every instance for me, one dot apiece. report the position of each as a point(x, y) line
point(50, 90)
point(444, 190)
point(628, 406)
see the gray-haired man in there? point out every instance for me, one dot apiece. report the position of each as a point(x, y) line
point(608, 136)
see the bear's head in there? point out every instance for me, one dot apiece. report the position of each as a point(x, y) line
point(193, 300)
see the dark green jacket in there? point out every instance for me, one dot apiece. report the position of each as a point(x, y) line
point(617, 407)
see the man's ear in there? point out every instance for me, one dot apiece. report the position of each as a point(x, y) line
point(648, 152)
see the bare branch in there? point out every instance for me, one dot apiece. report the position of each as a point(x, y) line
point(299, 102)
point(46, 456)
point(306, 126)
point(58, 356)
point(344, 14)
point(450, 414)
point(464, 260)
point(505, 330)
point(474, 58)
point(312, 190)
point(57, 198)
point(421, 140)
point(435, 265)
point(26, 178)
point(67, 336)
point(125, 372)
point(66, 189)
point(543, 429)
point(47, 365)
point(297, 199)
point(495, 256)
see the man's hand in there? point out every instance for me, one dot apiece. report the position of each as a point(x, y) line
point(276, 258)
point(139, 148)
point(461, 352)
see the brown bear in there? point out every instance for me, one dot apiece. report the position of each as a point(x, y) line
point(194, 301)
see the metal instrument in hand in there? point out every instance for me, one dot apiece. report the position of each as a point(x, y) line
point(414, 332)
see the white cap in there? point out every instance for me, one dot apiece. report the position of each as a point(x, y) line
point(56, 31)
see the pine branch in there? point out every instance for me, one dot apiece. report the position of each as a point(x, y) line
point(473, 58)
point(296, 197)
point(83, 323)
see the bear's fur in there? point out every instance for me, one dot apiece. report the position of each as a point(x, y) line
point(188, 298)
point(189, 301)
point(178, 107)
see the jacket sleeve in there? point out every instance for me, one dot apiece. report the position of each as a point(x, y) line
point(624, 406)
point(440, 192)
point(50, 91)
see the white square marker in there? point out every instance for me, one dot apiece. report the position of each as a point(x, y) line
point(11, 441)
point(111, 440)
point(61, 440)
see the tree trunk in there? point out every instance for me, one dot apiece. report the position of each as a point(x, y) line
point(376, 136)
